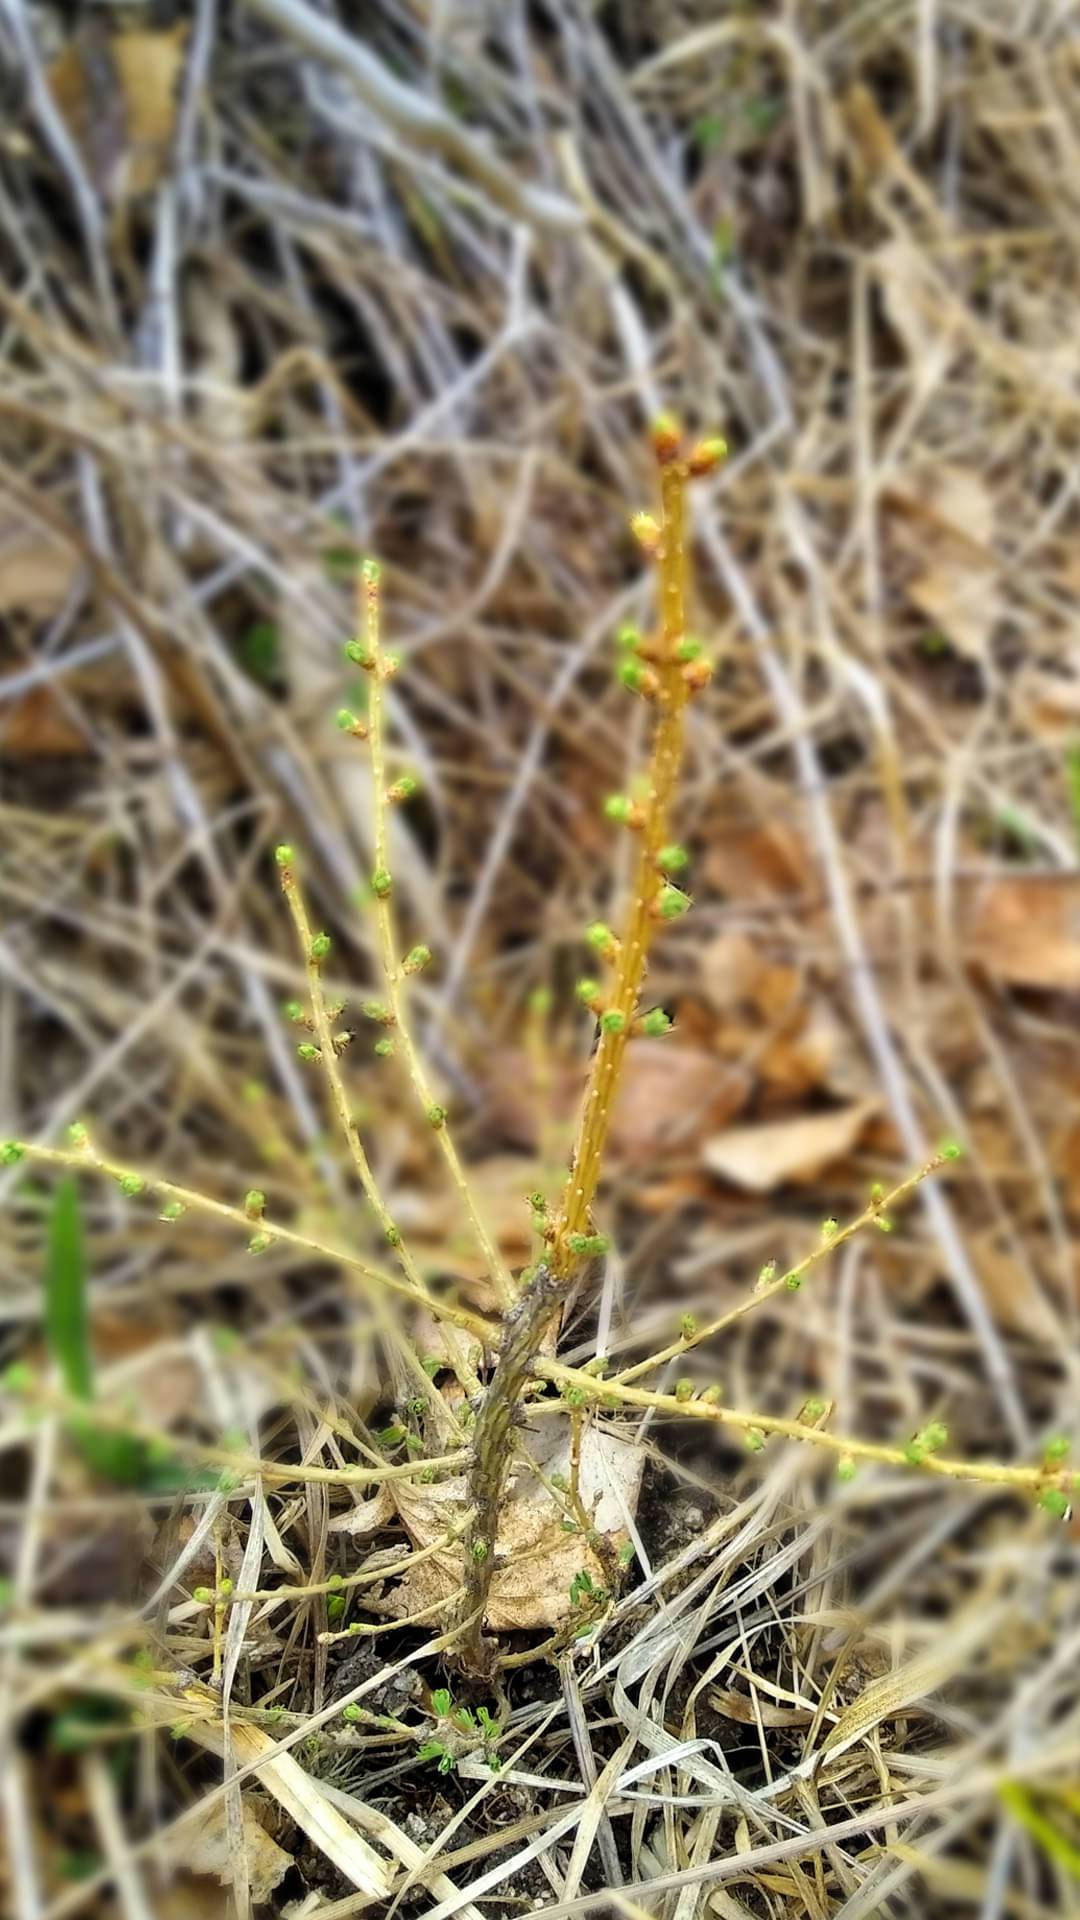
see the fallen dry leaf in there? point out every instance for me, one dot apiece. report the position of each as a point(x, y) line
point(535, 1559)
point(205, 1847)
point(38, 726)
point(36, 571)
point(749, 863)
point(1025, 930)
point(762, 1157)
point(956, 585)
point(499, 1186)
point(118, 93)
point(669, 1096)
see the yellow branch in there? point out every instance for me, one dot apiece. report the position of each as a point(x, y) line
point(393, 972)
point(986, 1472)
point(86, 1160)
point(666, 684)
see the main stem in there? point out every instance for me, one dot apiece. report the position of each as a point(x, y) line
point(524, 1325)
point(665, 762)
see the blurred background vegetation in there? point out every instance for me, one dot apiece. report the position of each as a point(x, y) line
point(284, 282)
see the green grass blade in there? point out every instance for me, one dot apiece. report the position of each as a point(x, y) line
point(1056, 1844)
point(67, 1324)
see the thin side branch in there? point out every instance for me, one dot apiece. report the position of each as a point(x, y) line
point(393, 971)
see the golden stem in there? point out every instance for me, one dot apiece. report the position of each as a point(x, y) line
point(784, 1282)
point(391, 964)
point(664, 764)
point(86, 1160)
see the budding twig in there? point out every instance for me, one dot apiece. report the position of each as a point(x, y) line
point(393, 969)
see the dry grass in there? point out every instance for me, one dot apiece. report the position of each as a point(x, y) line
point(276, 322)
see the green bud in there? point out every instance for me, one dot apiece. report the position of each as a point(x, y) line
point(560, 1482)
point(793, 1281)
point(656, 1023)
point(254, 1203)
point(381, 883)
point(293, 1011)
point(377, 1011)
point(436, 1117)
point(78, 1136)
point(335, 1608)
point(335, 1581)
point(11, 1153)
point(672, 903)
point(588, 991)
point(688, 1325)
point(710, 1395)
point(950, 1150)
point(259, 1242)
point(632, 675)
point(358, 653)
point(345, 719)
point(19, 1378)
point(672, 859)
point(600, 937)
point(202, 1596)
point(1052, 1500)
point(352, 1712)
point(384, 1048)
point(225, 1588)
point(172, 1210)
point(321, 946)
point(626, 1553)
point(628, 639)
point(307, 1050)
point(846, 1468)
point(618, 808)
point(684, 1389)
point(479, 1550)
point(766, 1276)
point(393, 1236)
point(753, 1439)
point(613, 1021)
point(588, 1243)
point(130, 1184)
point(285, 855)
point(688, 649)
point(574, 1397)
point(370, 572)
point(416, 959)
point(1057, 1448)
point(829, 1229)
point(403, 788)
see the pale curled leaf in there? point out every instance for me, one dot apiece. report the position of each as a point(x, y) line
point(764, 1156)
point(536, 1559)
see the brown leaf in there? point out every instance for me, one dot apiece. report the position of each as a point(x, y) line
point(37, 726)
point(762, 1157)
point(118, 94)
point(499, 1186)
point(668, 1096)
point(1025, 930)
point(36, 571)
point(535, 1559)
point(956, 587)
point(749, 863)
point(206, 1848)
